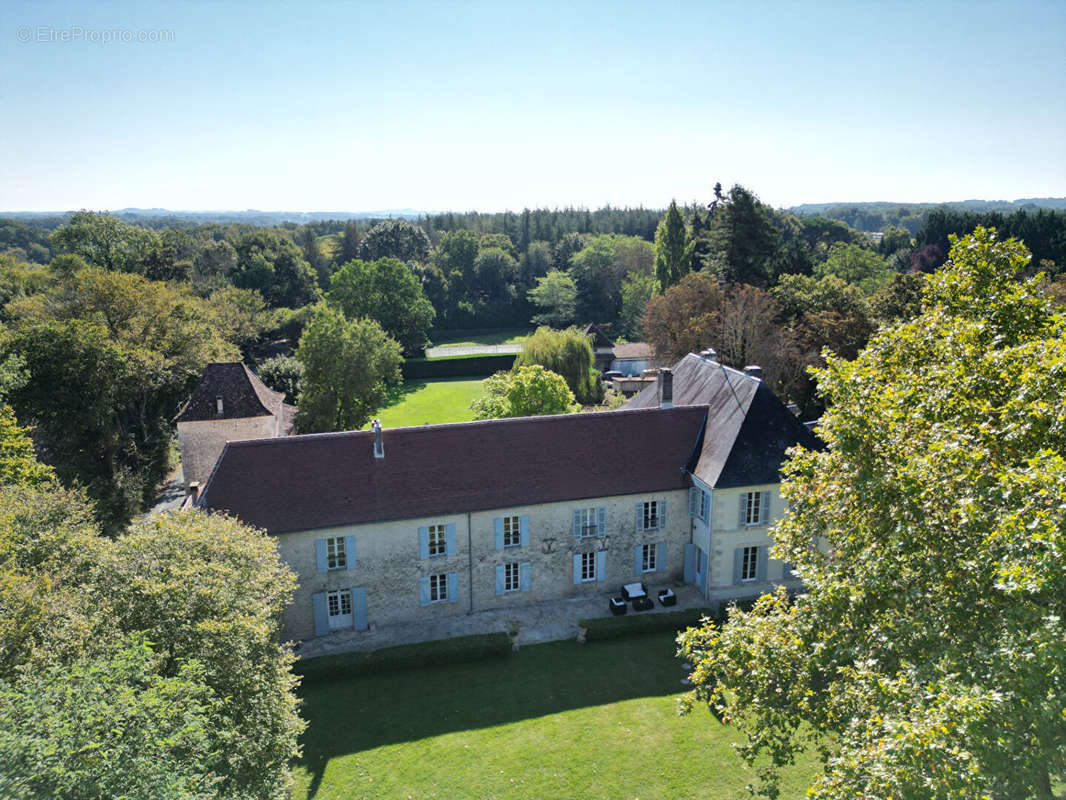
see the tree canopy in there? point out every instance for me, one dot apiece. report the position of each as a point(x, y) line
point(927, 658)
point(567, 353)
point(556, 295)
point(526, 392)
point(387, 292)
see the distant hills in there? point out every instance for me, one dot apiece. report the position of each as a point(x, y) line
point(1024, 204)
point(250, 216)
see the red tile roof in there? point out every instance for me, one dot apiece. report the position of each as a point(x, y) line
point(315, 481)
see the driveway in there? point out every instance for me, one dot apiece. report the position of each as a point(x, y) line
point(472, 350)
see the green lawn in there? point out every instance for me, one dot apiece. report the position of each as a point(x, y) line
point(560, 720)
point(471, 338)
point(418, 402)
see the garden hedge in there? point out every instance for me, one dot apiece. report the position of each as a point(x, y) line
point(458, 366)
point(601, 628)
point(408, 656)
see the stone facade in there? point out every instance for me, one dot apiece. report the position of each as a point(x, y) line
point(201, 441)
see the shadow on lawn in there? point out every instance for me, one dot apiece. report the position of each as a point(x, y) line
point(354, 714)
point(397, 394)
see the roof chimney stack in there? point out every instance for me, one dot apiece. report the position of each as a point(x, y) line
point(710, 354)
point(753, 371)
point(379, 445)
point(666, 388)
point(218, 405)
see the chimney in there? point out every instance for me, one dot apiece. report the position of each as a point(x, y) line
point(666, 388)
point(794, 408)
point(710, 354)
point(218, 405)
point(379, 445)
point(753, 371)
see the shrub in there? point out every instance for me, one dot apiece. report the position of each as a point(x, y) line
point(602, 628)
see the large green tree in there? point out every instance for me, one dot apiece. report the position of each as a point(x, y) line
point(744, 245)
point(395, 238)
point(273, 265)
point(388, 292)
point(556, 295)
point(526, 392)
point(567, 353)
point(106, 241)
point(671, 264)
point(348, 367)
point(928, 656)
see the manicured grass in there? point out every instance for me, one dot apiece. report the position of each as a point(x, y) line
point(419, 402)
point(560, 720)
point(471, 338)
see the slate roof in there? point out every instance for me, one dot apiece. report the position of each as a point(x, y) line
point(639, 350)
point(600, 339)
point(748, 427)
point(243, 395)
point(322, 480)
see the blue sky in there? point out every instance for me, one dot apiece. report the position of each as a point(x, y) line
point(491, 106)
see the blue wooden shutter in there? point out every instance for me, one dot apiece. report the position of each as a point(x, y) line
point(738, 561)
point(601, 566)
point(703, 571)
point(423, 542)
point(524, 575)
point(577, 568)
point(765, 518)
point(760, 563)
point(498, 524)
point(690, 563)
point(320, 555)
point(601, 522)
point(638, 559)
point(577, 524)
point(359, 608)
point(423, 590)
point(662, 515)
point(318, 606)
point(640, 518)
point(500, 579)
point(349, 551)
point(743, 514)
point(453, 587)
point(660, 556)
point(449, 535)
point(523, 526)
point(693, 502)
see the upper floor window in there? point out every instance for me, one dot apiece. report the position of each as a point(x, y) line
point(698, 503)
point(589, 526)
point(651, 516)
point(753, 508)
point(336, 557)
point(512, 532)
point(438, 540)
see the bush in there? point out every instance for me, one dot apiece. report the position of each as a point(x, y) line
point(459, 650)
point(457, 366)
point(602, 628)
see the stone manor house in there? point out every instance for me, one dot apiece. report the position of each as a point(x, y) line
point(389, 526)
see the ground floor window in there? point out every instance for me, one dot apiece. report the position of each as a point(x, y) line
point(438, 588)
point(647, 558)
point(588, 567)
point(339, 607)
point(510, 577)
point(749, 560)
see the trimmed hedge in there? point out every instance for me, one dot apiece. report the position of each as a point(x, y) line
point(407, 656)
point(458, 366)
point(602, 628)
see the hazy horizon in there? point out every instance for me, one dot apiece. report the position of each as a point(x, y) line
point(476, 106)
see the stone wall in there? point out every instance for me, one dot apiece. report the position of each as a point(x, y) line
point(201, 442)
point(388, 564)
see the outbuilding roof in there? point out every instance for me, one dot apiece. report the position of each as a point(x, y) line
point(242, 393)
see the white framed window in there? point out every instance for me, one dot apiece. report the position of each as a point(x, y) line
point(336, 557)
point(589, 526)
point(339, 608)
point(438, 540)
point(648, 560)
point(438, 588)
point(749, 561)
point(652, 515)
point(512, 533)
point(511, 582)
point(698, 502)
point(755, 508)
point(588, 567)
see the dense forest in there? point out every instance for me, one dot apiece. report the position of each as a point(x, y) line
point(109, 322)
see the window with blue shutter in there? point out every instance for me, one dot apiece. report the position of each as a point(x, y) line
point(423, 543)
point(601, 522)
point(601, 565)
point(321, 615)
point(450, 535)
point(577, 526)
point(660, 556)
point(639, 523)
point(500, 578)
point(523, 526)
point(638, 560)
point(760, 563)
point(498, 525)
point(359, 622)
point(423, 590)
point(690, 563)
point(524, 575)
point(321, 559)
point(453, 587)
point(349, 551)
point(693, 502)
point(577, 566)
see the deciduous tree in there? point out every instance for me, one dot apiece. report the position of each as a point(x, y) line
point(927, 657)
point(528, 391)
point(670, 248)
point(567, 353)
point(556, 295)
point(387, 292)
